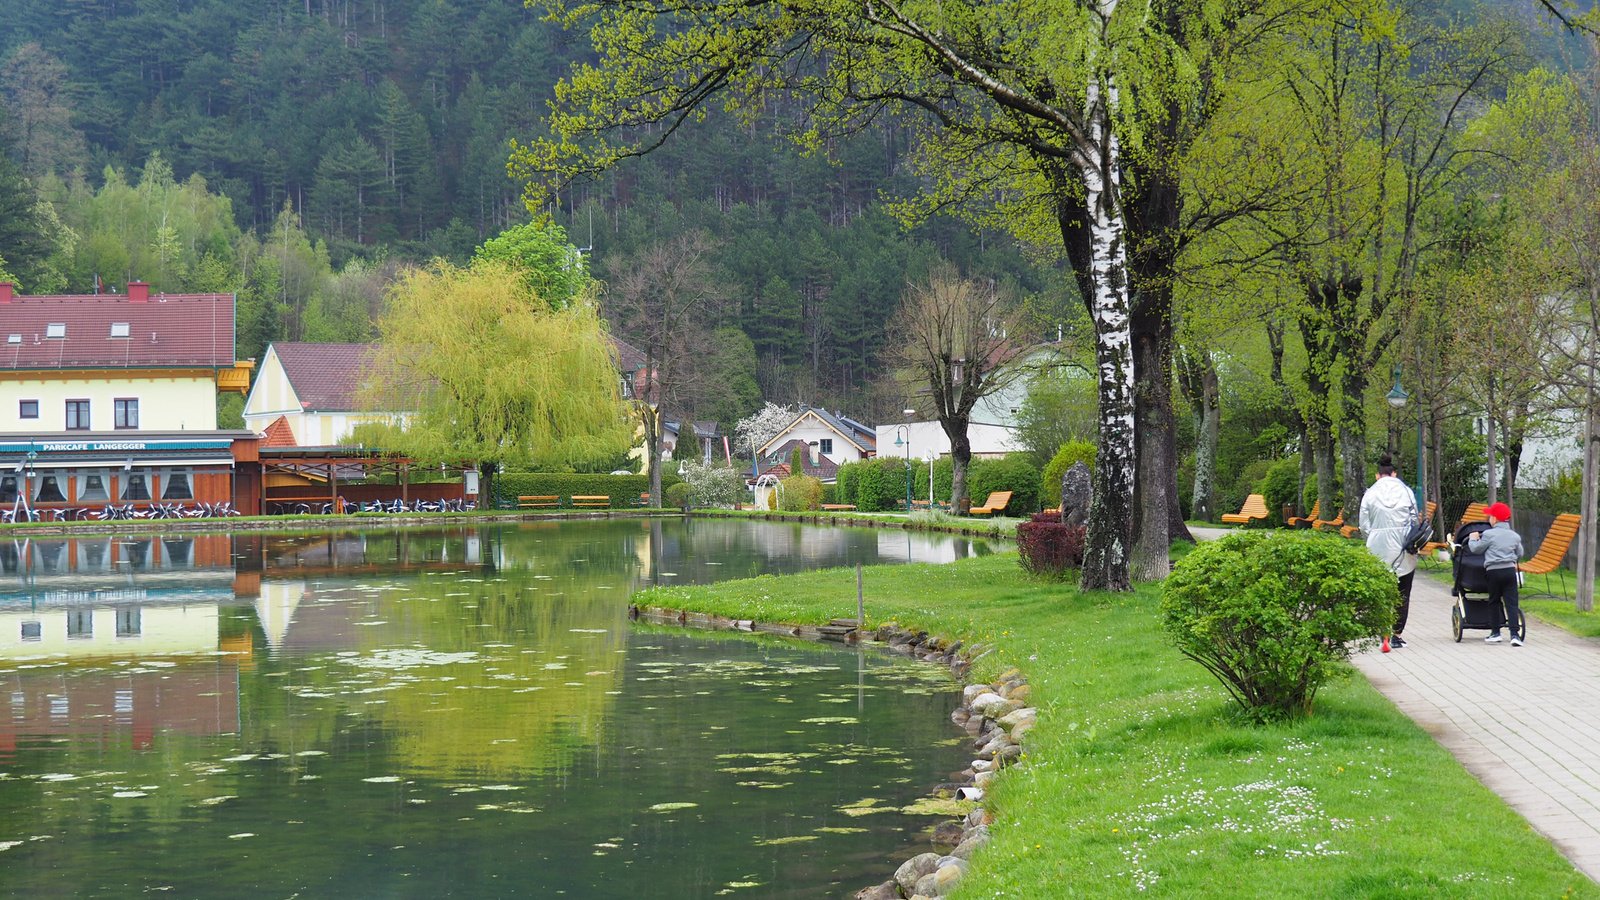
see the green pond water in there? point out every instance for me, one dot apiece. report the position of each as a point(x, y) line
point(461, 713)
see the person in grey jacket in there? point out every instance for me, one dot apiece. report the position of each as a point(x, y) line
point(1388, 510)
point(1501, 548)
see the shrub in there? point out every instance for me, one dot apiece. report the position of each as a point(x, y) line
point(624, 490)
point(844, 484)
point(678, 495)
point(1279, 487)
point(1048, 548)
point(801, 493)
point(1015, 472)
point(1071, 452)
point(1275, 614)
point(880, 484)
point(714, 485)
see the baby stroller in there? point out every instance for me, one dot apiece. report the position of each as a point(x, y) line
point(1471, 578)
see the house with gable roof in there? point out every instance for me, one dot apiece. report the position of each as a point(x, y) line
point(307, 394)
point(831, 439)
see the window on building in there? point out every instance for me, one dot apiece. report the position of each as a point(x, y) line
point(93, 488)
point(128, 624)
point(126, 412)
point(80, 623)
point(55, 330)
point(134, 487)
point(33, 631)
point(119, 329)
point(28, 409)
point(77, 415)
point(177, 486)
point(8, 488)
point(49, 490)
point(825, 446)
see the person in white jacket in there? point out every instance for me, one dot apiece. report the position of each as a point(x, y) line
point(1388, 510)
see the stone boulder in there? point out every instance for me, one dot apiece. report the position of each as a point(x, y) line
point(914, 870)
point(1077, 489)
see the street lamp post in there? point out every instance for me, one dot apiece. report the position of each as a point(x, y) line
point(903, 440)
point(1397, 398)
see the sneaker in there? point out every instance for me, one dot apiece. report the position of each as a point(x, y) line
point(1516, 640)
point(1493, 638)
point(1385, 646)
point(1397, 642)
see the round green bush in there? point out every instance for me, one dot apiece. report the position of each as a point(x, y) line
point(1014, 472)
point(1276, 614)
point(1070, 452)
point(678, 496)
point(1279, 487)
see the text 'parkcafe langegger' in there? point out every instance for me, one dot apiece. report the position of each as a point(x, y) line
point(57, 477)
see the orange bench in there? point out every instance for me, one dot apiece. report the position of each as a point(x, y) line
point(1308, 518)
point(1255, 507)
point(995, 505)
point(1553, 549)
point(1474, 513)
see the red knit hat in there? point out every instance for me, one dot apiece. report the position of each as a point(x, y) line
point(1499, 512)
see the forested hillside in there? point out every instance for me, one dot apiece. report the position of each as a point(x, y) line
point(296, 151)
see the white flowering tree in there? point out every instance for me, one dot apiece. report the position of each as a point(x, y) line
point(761, 426)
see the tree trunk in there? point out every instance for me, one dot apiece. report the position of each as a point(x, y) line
point(652, 449)
point(1107, 556)
point(960, 458)
point(1205, 452)
point(1583, 600)
point(1353, 443)
point(1153, 426)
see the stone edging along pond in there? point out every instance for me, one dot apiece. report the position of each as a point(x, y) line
point(996, 715)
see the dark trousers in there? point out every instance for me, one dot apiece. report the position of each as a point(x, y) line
point(1405, 602)
point(1503, 587)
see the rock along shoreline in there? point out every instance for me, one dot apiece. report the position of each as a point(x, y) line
point(996, 715)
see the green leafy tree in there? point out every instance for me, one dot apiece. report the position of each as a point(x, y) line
point(485, 370)
point(551, 267)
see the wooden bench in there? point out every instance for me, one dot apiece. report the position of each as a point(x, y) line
point(839, 507)
point(539, 502)
point(1332, 524)
point(1255, 507)
point(643, 502)
point(591, 501)
point(995, 505)
point(1553, 549)
point(1307, 519)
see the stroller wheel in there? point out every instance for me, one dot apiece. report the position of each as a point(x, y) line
point(1455, 622)
point(1522, 626)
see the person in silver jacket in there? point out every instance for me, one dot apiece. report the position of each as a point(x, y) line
point(1501, 548)
point(1388, 510)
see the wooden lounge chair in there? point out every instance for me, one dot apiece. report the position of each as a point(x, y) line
point(993, 506)
point(1305, 520)
point(1332, 524)
point(1255, 507)
point(1552, 550)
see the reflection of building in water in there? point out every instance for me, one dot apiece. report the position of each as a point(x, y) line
point(114, 707)
point(112, 595)
point(102, 599)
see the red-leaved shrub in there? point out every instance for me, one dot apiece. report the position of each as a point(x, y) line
point(1049, 548)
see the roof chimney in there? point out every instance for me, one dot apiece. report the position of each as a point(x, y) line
point(6, 288)
point(138, 292)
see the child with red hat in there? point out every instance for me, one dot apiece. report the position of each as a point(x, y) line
point(1501, 548)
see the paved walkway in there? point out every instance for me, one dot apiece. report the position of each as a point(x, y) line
point(1524, 720)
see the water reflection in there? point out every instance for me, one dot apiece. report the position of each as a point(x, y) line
point(430, 686)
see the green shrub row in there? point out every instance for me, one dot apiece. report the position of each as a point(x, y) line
point(624, 490)
point(879, 484)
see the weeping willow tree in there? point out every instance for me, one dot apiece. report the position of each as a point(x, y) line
point(480, 368)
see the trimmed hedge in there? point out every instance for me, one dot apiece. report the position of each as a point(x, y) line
point(622, 489)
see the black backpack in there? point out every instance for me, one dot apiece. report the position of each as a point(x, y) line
point(1418, 536)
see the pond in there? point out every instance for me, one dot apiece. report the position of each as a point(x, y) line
point(457, 713)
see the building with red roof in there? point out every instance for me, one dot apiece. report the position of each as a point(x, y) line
point(112, 399)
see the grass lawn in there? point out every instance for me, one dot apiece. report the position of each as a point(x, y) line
point(1139, 780)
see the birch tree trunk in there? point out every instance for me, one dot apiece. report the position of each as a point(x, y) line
point(1107, 557)
point(1584, 599)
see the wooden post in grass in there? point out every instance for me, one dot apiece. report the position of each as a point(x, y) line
point(860, 621)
